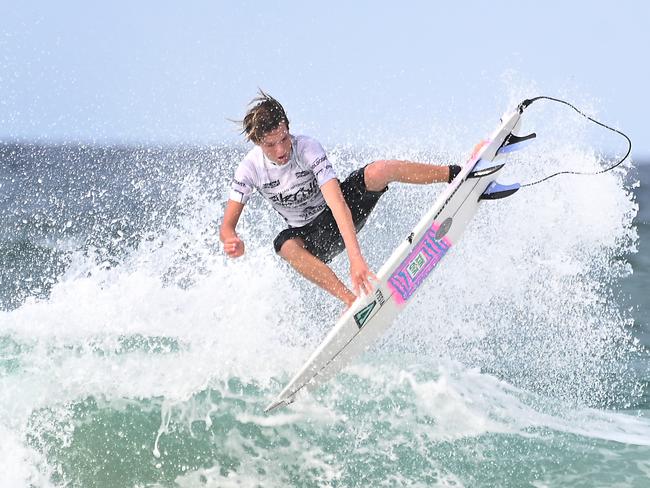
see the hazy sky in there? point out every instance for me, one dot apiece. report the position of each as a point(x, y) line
point(171, 72)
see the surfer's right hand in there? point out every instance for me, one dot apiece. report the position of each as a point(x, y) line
point(233, 247)
point(361, 276)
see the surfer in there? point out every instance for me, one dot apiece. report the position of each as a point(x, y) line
point(293, 173)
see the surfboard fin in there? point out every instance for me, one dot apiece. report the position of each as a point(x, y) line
point(484, 168)
point(514, 143)
point(495, 191)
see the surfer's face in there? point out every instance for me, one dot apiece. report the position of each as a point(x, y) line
point(276, 144)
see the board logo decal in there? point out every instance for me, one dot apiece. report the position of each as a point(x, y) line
point(426, 254)
point(362, 316)
point(444, 228)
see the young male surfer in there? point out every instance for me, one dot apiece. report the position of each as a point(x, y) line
point(293, 173)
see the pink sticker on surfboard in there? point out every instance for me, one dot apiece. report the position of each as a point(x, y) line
point(410, 274)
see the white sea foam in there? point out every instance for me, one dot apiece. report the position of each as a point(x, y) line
point(523, 305)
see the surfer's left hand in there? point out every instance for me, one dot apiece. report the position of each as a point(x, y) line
point(361, 275)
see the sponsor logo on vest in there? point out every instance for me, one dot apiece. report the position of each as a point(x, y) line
point(311, 211)
point(294, 199)
point(271, 184)
point(300, 174)
point(318, 161)
point(327, 166)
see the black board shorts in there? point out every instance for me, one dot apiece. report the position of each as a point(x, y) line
point(321, 236)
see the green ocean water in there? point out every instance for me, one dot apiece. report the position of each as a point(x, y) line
point(134, 354)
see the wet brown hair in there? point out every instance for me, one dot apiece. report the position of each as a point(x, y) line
point(265, 115)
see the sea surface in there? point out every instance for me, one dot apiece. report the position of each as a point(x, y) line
point(133, 353)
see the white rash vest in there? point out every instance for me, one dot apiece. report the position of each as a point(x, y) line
point(292, 188)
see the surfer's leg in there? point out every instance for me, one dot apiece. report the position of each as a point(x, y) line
point(379, 174)
point(315, 270)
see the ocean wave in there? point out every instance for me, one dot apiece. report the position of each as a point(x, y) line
point(139, 355)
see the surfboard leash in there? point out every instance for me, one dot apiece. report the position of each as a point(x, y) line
point(523, 105)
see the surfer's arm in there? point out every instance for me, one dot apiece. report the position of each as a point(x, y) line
point(232, 244)
point(360, 274)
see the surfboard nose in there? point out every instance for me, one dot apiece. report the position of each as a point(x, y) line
point(278, 402)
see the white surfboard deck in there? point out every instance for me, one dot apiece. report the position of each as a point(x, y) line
point(410, 264)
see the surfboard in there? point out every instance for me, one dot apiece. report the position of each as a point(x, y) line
point(409, 266)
